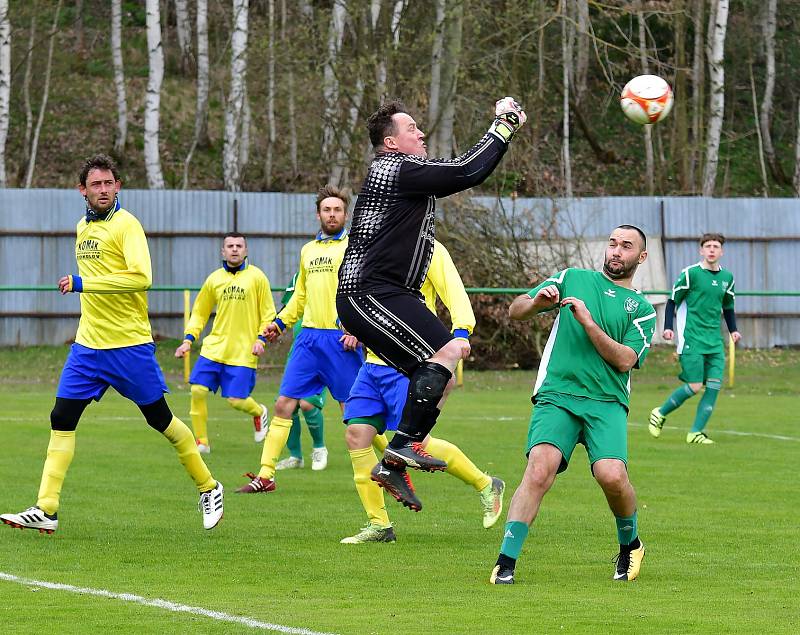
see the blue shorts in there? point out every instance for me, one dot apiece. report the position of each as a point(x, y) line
point(319, 361)
point(378, 391)
point(131, 370)
point(236, 381)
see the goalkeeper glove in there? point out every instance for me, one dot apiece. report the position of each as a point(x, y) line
point(510, 118)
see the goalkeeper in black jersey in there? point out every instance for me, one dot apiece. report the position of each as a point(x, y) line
point(391, 242)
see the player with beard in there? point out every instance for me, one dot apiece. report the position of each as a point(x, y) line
point(323, 356)
point(113, 347)
point(602, 332)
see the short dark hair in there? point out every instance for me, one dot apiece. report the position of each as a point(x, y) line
point(234, 235)
point(98, 162)
point(638, 231)
point(380, 123)
point(332, 191)
point(712, 236)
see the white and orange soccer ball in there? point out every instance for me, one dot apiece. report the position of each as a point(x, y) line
point(646, 99)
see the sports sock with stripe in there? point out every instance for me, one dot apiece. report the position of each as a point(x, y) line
point(627, 528)
point(513, 538)
point(676, 399)
point(706, 405)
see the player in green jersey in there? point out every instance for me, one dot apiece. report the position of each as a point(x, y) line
point(602, 331)
point(701, 293)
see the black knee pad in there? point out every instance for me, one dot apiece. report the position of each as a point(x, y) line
point(157, 414)
point(428, 383)
point(66, 413)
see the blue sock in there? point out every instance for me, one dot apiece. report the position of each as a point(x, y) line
point(515, 534)
point(706, 405)
point(676, 399)
point(627, 529)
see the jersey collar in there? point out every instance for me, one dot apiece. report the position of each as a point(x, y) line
point(235, 270)
point(91, 215)
point(323, 237)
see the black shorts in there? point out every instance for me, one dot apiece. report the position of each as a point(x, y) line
point(397, 326)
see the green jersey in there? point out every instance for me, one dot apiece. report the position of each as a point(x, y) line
point(570, 363)
point(700, 296)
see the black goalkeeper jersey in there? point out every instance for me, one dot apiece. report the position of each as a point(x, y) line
point(391, 238)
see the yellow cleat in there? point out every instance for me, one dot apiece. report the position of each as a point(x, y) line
point(656, 422)
point(698, 437)
point(628, 563)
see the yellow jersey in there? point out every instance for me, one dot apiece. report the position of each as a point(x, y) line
point(444, 281)
point(314, 298)
point(245, 306)
point(114, 274)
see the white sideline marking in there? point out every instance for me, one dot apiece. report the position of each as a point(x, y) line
point(163, 604)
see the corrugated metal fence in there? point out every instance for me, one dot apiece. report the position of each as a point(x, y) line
point(37, 246)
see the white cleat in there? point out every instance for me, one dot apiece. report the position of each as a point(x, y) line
point(32, 518)
point(261, 424)
point(211, 506)
point(319, 459)
point(202, 448)
point(290, 463)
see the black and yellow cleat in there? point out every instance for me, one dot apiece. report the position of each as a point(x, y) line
point(501, 575)
point(629, 561)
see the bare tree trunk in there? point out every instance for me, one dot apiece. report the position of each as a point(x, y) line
point(650, 169)
point(765, 118)
point(680, 148)
point(119, 78)
point(247, 122)
point(716, 42)
point(566, 51)
point(26, 100)
point(200, 138)
point(339, 170)
point(450, 64)
point(155, 54)
point(45, 94)
point(270, 95)
point(434, 100)
point(698, 93)
point(397, 15)
point(582, 56)
point(79, 39)
point(5, 85)
point(289, 66)
point(796, 181)
point(759, 136)
point(184, 29)
point(234, 110)
point(330, 83)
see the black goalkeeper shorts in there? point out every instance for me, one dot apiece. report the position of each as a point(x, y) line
point(397, 326)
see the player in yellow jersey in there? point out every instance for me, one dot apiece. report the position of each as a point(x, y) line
point(113, 347)
point(230, 353)
point(376, 404)
point(323, 357)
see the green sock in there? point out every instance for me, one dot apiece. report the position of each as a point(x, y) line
point(676, 399)
point(627, 529)
point(293, 442)
point(514, 536)
point(706, 405)
point(316, 426)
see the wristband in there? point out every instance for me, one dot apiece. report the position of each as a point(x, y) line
point(188, 338)
point(461, 334)
point(279, 323)
point(262, 339)
point(76, 284)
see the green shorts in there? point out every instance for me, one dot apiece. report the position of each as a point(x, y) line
point(317, 400)
point(697, 368)
point(565, 420)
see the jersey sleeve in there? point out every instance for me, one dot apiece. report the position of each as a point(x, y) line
point(640, 332)
point(557, 279)
point(137, 275)
point(681, 287)
point(439, 177)
point(728, 299)
point(287, 294)
point(450, 288)
point(266, 304)
point(294, 309)
point(201, 309)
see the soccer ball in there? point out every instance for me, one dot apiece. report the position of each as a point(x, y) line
point(646, 99)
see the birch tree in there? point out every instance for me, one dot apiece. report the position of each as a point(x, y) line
point(451, 59)
point(566, 53)
point(796, 181)
point(768, 25)
point(716, 110)
point(434, 97)
point(45, 93)
point(289, 67)
point(5, 85)
point(330, 83)
point(698, 91)
point(582, 55)
point(26, 100)
point(270, 95)
point(184, 30)
point(155, 54)
point(234, 109)
point(119, 78)
point(650, 169)
point(680, 146)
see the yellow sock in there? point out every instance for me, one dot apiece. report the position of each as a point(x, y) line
point(458, 464)
point(379, 442)
point(249, 406)
point(369, 492)
point(60, 451)
point(198, 410)
point(182, 440)
point(273, 445)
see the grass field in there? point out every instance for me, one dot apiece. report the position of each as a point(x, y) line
point(720, 522)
